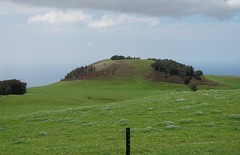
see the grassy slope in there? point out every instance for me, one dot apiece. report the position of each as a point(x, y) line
point(226, 81)
point(77, 117)
point(79, 93)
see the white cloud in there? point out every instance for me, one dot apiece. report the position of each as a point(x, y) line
point(159, 8)
point(110, 20)
point(59, 17)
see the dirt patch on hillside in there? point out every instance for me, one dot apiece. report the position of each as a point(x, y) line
point(104, 70)
point(92, 75)
point(205, 81)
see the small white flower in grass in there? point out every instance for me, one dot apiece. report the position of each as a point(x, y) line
point(215, 111)
point(208, 125)
point(150, 109)
point(205, 104)
point(185, 121)
point(233, 116)
point(150, 129)
point(198, 113)
point(166, 123)
point(172, 127)
point(180, 99)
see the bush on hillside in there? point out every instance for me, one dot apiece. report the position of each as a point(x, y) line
point(12, 87)
point(193, 86)
point(198, 74)
point(117, 57)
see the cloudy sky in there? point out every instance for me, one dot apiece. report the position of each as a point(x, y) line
point(41, 41)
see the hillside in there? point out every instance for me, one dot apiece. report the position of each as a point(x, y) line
point(226, 81)
point(128, 70)
point(116, 69)
point(89, 117)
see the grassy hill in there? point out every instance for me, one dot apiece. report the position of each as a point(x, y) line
point(117, 70)
point(131, 70)
point(89, 116)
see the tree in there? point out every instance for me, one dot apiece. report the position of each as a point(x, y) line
point(1, 90)
point(193, 86)
point(76, 73)
point(12, 87)
point(198, 74)
point(117, 57)
point(186, 79)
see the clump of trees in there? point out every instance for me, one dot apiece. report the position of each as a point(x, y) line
point(12, 87)
point(174, 68)
point(120, 57)
point(78, 72)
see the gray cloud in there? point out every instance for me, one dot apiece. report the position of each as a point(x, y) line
point(158, 8)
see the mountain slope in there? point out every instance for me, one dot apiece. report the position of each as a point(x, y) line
point(116, 69)
point(128, 70)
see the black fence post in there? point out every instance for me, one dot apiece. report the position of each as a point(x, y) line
point(127, 141)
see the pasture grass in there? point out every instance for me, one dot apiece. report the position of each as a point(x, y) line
point(226, 81)
point(90, 117)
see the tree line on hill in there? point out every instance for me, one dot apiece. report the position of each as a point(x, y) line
point(78, 73)
point(120, 57)
point(12, 87)
point(174, 68)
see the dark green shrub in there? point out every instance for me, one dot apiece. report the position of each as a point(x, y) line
point(117, 57)
point(186, 79)
point(120, 57)
point(198, 74)
point(193, 86)
point(12, 87)
point(1, 90)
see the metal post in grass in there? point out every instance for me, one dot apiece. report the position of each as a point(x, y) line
point(127, 141)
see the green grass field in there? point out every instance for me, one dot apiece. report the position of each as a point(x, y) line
point(90, 117)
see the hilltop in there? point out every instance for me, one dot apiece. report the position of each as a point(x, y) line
point(129, 69)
